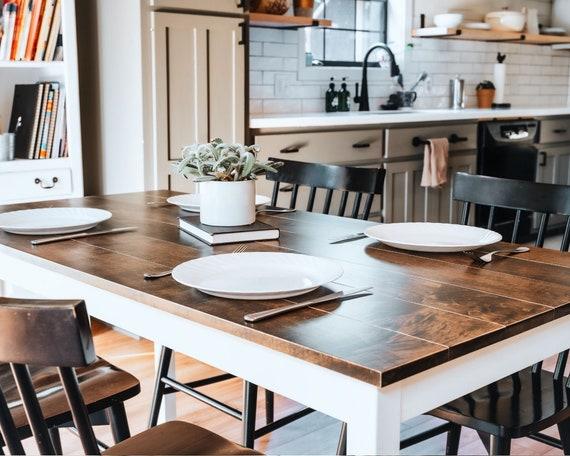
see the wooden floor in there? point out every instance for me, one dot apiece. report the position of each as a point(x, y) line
point(315, 434)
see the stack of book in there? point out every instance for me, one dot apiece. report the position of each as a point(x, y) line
point(39, 121)
point(30, 30)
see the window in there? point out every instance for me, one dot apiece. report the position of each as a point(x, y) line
point(357, 24)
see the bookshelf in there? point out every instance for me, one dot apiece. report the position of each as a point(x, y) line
point(59, 178)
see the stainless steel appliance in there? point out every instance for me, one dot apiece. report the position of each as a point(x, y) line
point(507, 149)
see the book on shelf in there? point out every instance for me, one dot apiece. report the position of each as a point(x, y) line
point(30, 30)
point(38, 120)
point(215, 235)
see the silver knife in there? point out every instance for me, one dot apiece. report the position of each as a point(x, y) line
point(349, 238)
point(81, 235)
point(258, 316)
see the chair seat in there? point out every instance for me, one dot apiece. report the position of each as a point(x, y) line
point(177, 438)
point(513, 407)
point(102, 385)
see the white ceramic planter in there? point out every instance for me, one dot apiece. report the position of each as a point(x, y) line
point(227, 203)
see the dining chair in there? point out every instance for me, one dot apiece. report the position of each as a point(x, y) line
point(359, 181)
point(104, 386)
point(533, 399)
point(348, 180)
point(57, 334)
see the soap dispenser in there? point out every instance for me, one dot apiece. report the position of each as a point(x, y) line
point(331, 99)
point(344, 97)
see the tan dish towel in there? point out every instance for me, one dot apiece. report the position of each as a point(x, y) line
point(436, 158)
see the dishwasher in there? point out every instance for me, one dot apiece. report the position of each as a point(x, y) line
point(507, 149)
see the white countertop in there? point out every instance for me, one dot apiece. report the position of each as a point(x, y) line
point(347, 119)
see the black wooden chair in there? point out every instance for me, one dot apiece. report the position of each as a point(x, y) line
point(361, 181)
point(527, 402)
point(104, 386)
point(57, 333)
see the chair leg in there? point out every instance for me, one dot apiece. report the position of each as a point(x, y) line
point(55, 439)
point(119, 422)
point(453, 437)
point(269, 407)
point(500, 446)
point(249, 414)
point(158, 394)
point(564, 431)
point(486, 439)
point(341, 447)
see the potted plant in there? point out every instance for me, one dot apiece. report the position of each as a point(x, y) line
point(227, 174)
point(485, 94)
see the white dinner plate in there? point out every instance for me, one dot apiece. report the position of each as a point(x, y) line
point(432, 237)
point(191, 202)
point(52, 220)
point(257, 275)
point(476, 26)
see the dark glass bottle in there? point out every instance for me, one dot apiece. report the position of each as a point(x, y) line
point(344, 97)
point(331, 99)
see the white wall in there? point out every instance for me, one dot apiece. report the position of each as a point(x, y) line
point(538, 76)
point(111, 79)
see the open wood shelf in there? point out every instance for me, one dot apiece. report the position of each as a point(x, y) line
point(489, 35)
point(24, 64)
point(277, 21)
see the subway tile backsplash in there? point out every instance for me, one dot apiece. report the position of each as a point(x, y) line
point(537, 75)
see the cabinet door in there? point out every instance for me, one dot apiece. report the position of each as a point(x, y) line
point(406, 201)
point(199, 86)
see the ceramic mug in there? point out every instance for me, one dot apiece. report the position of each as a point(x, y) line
point(7, 146)
point(407, 99)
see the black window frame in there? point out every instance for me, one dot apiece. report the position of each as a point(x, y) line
point(341, 63)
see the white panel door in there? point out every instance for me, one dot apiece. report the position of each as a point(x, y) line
point(406, 201)
point(199, 86)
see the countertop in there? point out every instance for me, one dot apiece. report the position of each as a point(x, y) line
point(363, 119)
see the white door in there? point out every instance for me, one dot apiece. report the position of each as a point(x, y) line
point(199, 86)
point(406, 201)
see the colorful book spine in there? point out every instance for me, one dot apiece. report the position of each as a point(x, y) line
point(47, 122)
point(35, 23)
point(44, 30)
point(53, 33)
point(53, 119)
point(35, 128)
point(17, 28)
point(9, 19)
point(24, 34)
point(41, 121)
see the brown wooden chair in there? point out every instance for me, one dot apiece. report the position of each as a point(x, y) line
point(527, 402)
point(359, 181)
point(57, 333)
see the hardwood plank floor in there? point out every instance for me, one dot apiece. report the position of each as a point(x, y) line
point(315, 434)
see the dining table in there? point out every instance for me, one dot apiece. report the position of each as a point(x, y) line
point(435, 327)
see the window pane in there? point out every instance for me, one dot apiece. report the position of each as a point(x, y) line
point(339, 45)
point(369, 15)
point(341, 12)
point(363, 42)
point(317, 43)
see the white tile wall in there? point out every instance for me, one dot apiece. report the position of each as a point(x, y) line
point(537, 75)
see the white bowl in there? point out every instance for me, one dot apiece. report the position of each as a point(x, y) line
point(506, 21)
point(448, 20)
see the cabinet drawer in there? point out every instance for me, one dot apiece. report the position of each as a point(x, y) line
point(354, 147)
point(555, 131)
point(399, 140)
point(217, 6)
point(31, 185)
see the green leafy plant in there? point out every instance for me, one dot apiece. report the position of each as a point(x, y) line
point(218, 161)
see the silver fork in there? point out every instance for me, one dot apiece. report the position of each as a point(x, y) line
point(159, 275)
point(488, 257)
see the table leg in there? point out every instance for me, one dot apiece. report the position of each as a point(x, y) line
point(168, 406)
point(374, 423)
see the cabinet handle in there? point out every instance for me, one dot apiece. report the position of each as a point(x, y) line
point(361, 145)
point(544, 158)
point(243, 34)
point(243, 4)
point(560, 131)
point(44, 185)
point(290, 150)
point(455, 138)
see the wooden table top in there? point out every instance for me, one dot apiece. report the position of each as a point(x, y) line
point(426, 308)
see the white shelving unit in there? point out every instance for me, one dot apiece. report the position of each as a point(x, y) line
point(39, 180)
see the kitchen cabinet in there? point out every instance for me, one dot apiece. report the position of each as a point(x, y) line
point(553, 168)
point(361, 148)
point(406, 201)
point(199, 86)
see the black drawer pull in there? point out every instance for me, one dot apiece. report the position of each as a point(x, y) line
point(560, 131)
point(544, 158)
point(290, 150)
point(42, 184)
point(361, 145)
point(454, 139)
